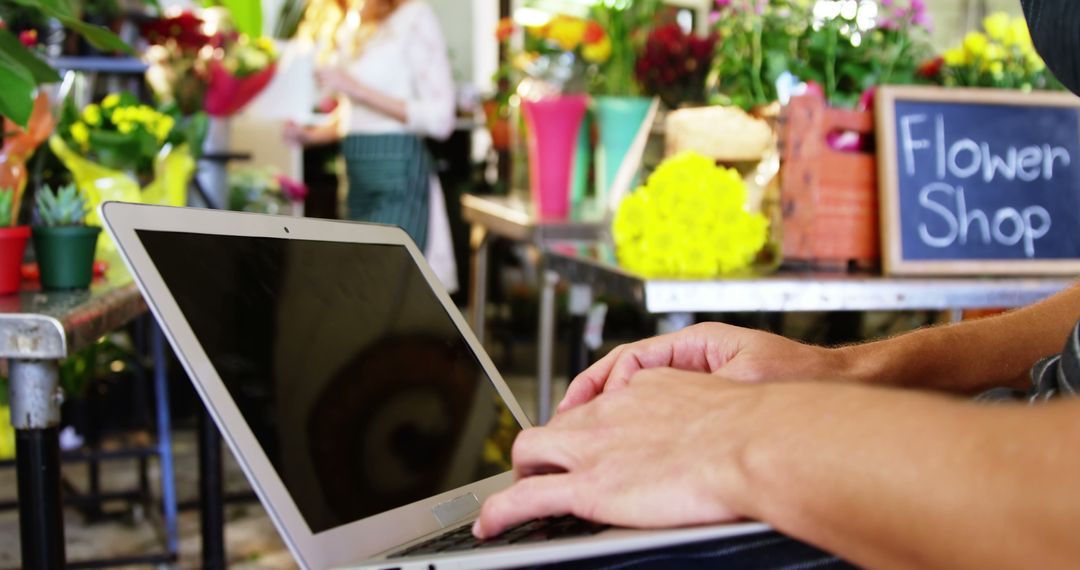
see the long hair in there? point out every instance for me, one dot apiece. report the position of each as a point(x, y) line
point(382, 11)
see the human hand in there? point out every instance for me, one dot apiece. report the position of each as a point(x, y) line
point(333, 79)
point(733, 352)
point(666, 451)
point(294, 133)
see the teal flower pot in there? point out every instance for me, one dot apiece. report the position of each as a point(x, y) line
point(65, 255)
point(618, 119)
point(582, 160)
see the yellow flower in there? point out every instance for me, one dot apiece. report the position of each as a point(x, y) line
point(955, 57)
point(975, 43)
point(265, 44)
point(126, 127)
point(997, 25)
point(1034, 62)
point(994, 54)
point(997, 69)
point(164, 127)
point(598, 52)
point(689, 220)
point(567, 32)
point(80, 133)
point(92, 115)
point(111, 101)
point(1018, 34)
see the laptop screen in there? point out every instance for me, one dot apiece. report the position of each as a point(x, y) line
point(351, 374)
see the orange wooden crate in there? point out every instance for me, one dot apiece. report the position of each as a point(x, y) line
point(828, 197)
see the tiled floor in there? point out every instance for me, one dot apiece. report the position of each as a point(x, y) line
point(252, 541)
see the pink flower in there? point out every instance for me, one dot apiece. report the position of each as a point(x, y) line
point(292, 189)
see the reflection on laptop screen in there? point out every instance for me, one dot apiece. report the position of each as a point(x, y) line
point(352, 376)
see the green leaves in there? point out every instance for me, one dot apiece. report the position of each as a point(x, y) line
point(13, 53)
point(100, 37)
point(246, 15)
point(21, 71)
point(66, 206)
point(16, 100)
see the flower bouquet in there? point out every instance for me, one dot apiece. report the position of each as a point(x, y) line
point(621, 111)
point(239, 68)
point(126, 151)
point(554, 75)
point(220, 73)
point(19, 145)
point(1001, 56)
point(674, 64)
point(690, 220)
point(262, 191)
point(177, 72)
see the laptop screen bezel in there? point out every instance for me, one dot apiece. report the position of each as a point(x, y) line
point(350, 542)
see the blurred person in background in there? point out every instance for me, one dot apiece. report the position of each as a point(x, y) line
point(389, 70)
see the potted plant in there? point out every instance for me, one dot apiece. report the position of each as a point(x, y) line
point(63, 243)
point(12, 244)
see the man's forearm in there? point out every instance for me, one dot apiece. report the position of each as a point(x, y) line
point(924, 481)
point(973, 355)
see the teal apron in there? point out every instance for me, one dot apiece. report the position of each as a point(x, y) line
point(389, 181)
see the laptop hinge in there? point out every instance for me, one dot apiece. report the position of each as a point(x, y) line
point(456, 510)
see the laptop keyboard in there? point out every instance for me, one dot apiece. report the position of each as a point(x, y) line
point(533, 531)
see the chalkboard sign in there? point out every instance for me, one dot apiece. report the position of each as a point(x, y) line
point(978, 181)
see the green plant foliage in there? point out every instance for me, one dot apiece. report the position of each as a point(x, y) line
point(246, 15)
point(21, 71)
point(844, 54)
point(6, 215)
point(627, 24)
point(63, 207)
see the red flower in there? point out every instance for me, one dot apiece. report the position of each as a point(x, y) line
point(594, 32)
point(185, 29)
point(932, 68)
point(28, 38)
point(504, 29)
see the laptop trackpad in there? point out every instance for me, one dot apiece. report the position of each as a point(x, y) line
point(456, 509)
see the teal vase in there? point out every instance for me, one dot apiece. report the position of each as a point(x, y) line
point(618, 119)
point(582, 160)
point(65, 255)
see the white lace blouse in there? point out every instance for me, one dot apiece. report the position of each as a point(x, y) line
point(405, 58)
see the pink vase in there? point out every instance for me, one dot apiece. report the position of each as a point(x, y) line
point(553, 125)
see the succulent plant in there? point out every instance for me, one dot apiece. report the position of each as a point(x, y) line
point(7, 217)
point(65, 206)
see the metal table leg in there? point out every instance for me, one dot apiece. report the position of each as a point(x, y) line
point(579, 303)
point(546, 352)
point(164, 429)
point(211, 494)
point(35, 415)
point(480, 241)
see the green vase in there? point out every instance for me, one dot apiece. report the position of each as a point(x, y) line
point(618, 120)
point(65, 255)
point(582, 158)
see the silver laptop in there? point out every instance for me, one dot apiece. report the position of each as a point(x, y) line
point(363, 410)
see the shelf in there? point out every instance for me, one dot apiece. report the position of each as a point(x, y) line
point(100, 64)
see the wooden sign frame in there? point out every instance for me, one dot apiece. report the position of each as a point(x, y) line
point(893, 262)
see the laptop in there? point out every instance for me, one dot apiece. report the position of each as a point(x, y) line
point(363, 410)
